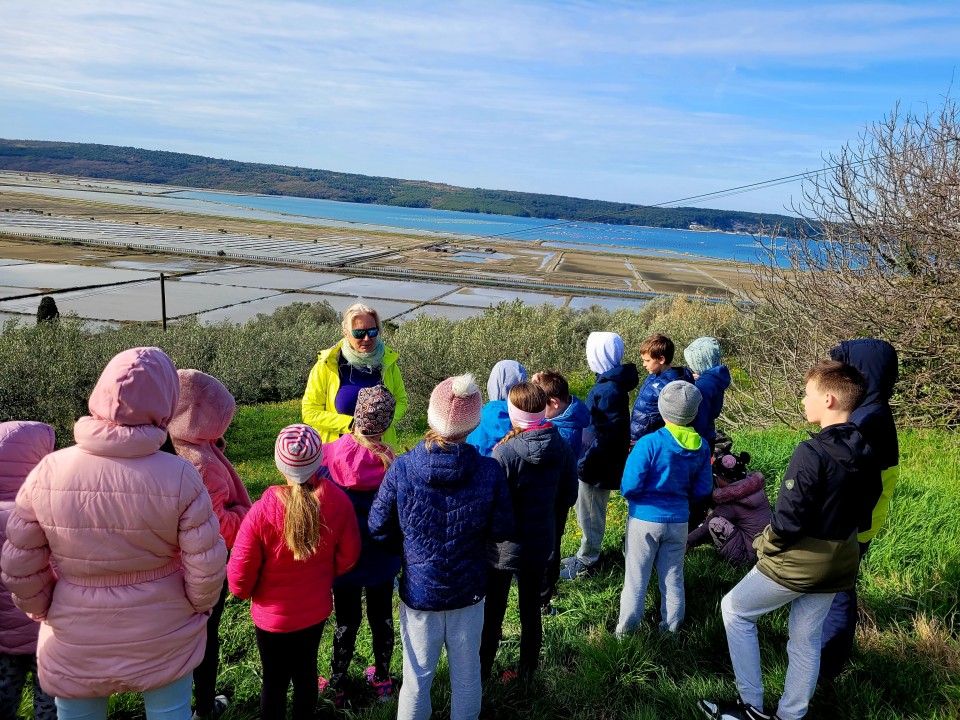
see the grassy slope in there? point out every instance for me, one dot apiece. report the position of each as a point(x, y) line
point(907, 662)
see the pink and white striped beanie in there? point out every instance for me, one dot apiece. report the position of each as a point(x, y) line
point(298, 452)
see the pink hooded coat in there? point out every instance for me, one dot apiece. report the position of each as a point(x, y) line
point(203, 416)
point(115, 545)
point(22, 446)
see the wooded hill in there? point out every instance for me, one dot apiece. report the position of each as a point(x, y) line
point(168, 168)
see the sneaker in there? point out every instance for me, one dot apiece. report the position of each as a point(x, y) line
point(577, 569)
point(568, 561)
point(339, 699)
point(736, 710)
point(548, 610)
point(383, 688)
point(220, 705)
point(508, 676)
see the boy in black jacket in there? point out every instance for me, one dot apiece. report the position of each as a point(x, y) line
point(808, 552)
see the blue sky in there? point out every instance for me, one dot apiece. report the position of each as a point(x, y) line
point(644, 102)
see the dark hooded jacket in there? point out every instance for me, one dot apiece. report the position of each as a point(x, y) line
point(877, 362)
point(601, 463)
point(827, 495)
point(442, 506)
point(645, 417)
point(712, 383)
point(542, 476)
point(571, 423)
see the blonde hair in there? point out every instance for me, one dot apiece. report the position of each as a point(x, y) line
point(301, 519)
point(358, 309)
point(526, 396)
point(434, 439)
point(378, 448)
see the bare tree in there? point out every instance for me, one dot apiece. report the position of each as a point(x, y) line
point(877, 254)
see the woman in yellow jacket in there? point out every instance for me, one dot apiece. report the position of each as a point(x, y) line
point(359, 360)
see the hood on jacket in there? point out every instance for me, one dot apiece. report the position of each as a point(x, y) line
point(351, 465)
point(137, 387)
point(746, 487)
point(577, 415)
point(877, 362)
point(846, 445)
point(443, 467)
point(504, 375)
point(23, 444)
point(718, 375)
point(626, 376)
point(205, 408)
point(535, 445)
point(604, 351)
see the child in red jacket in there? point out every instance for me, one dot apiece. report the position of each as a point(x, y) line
point(292, 544)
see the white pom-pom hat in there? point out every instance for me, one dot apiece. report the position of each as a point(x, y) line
point(455, 407)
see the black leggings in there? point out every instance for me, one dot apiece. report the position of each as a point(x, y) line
point(286, 657)
point(348, 609)
point(205, 674)
point(529, 583)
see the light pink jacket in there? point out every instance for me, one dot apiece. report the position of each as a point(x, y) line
point(115, 545)
point(203, 416)
point(22, 446)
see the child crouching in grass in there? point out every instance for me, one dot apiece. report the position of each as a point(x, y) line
point(665, 471)
point(357, 463)
point(292, 544)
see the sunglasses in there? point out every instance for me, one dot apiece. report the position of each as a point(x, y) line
point(361, 333)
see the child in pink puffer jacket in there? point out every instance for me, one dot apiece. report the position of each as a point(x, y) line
point(115, 546)
point(203, 415)
point(22, 446)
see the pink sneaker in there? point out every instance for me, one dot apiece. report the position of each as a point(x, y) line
point(384, 688)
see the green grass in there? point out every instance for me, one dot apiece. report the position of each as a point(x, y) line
point(906, 662)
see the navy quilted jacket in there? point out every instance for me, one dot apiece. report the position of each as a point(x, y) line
point(645, 417)
point(442, 507)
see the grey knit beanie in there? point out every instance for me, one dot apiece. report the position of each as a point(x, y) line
point(702, 354)
point(678, 402)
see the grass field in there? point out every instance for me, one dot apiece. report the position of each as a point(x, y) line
point(906, 664)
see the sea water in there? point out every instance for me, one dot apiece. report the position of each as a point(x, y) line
point(725, 246)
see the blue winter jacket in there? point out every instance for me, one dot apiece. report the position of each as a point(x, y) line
point(571, 423)
point(645, 417)
point(608, 402)
point(712, 383)
point(442, 506)
point(662, 477)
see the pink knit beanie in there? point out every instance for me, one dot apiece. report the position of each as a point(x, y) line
point(455, 407)
point(298, 452)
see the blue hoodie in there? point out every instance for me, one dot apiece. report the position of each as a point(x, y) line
point(494, 420)
point(571, 423)
point(711, 383)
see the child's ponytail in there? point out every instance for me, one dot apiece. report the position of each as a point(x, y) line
point(301, 519)
point(378, 448)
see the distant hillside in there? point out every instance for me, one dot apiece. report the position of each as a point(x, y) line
point(168, 168)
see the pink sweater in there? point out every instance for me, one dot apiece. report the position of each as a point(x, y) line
point(288, 594)
point(132, 536)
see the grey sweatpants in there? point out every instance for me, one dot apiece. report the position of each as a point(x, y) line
point(591, 510)
point(424, 634)
point(653, 545)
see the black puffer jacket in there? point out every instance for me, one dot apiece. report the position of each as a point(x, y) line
point(827, 494)
point(542, 476)
point(607, 440)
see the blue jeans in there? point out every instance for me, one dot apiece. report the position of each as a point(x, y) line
point(170, 702)
point(758, 595)
point(424, 634)
point(653, 545)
